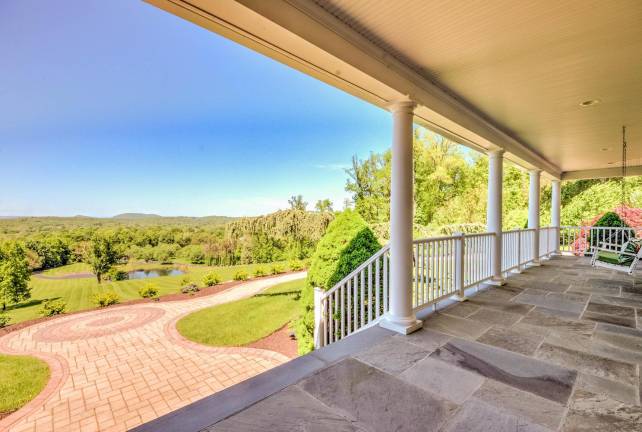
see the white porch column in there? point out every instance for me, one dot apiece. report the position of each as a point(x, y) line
point(401, 317)
point(556, 208)
point(494, 212)
point(533, 211)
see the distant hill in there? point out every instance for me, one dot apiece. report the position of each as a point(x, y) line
point(136, 216)
point(20, 226)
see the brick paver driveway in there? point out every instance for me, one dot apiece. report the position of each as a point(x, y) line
point(119, 367)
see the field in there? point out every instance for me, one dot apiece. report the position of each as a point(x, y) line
point(244, 321)
point(78, 293)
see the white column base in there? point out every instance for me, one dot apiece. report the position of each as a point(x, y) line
point(534, 264)
point(518, 270)
point(497, 281)
point(403, 326)
point(459, 298)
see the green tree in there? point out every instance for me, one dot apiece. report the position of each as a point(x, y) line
point(324, 205)
point(296, 203)
point(369, 183)
point(14, 274)
point(103, 254)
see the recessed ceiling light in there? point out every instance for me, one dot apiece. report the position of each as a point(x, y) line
point(589, 103)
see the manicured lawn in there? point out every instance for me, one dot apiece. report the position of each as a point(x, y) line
point(244, 321)
point(21, 379)
point(68, 269)
point(78, 293)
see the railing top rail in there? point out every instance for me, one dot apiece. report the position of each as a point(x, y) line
point(596, 227)
point(451, 237)
point(613, 228)
point(432, 239)
point(356, 271)
point(518, 230)
point(484, 234)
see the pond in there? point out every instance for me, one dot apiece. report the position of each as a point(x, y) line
point(152, 273)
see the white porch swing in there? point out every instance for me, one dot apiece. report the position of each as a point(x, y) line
point(630, 253)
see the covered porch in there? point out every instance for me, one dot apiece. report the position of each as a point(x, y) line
point(555, 348)
point(405, 341)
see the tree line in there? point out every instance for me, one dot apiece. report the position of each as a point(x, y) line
point(284, 235)
point(450, 190)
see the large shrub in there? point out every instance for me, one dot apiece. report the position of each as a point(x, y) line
point(117, 275)
point(241, 275)
point(212, 278)
point(347, 243)
point(149, 290)
point(260, 271)
point(277, 269)
point(53, 307)
point(106, 298)
point(4, 320)
point(612, 220)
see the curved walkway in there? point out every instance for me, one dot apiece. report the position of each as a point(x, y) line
point(117, 368)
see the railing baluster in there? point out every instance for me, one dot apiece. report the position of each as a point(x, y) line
point(415, 284)
point(439, 269)
point(355, 300)
point(423, 273)
point(369, 292)
point(343, 314)
point(349, 305)
point(377, 288)
point(331, 318)
point(362, 287)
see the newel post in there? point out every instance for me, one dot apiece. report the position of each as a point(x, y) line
point(460, 246)
point(319, 318)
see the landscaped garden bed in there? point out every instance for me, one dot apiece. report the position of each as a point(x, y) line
point(173, 295)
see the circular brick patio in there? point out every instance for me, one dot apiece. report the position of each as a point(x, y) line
point(114, 369)
point(98, 324)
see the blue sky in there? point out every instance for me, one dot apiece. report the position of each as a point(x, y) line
point(116, 106)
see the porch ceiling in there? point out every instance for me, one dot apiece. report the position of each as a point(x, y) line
point(485, 73)
point(526, 67)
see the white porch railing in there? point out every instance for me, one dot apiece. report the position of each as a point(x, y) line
point(579, 240)
point(547, 241)
point(442, 267)
point(355, 302)
point(517, 249)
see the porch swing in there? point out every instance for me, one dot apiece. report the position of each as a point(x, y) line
point(630, 253)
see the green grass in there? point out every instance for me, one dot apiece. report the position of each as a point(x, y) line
point(68, 269)
point(21, 379)
point(244, 321)
point(78, 293)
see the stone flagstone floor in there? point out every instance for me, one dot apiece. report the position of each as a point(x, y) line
point(558, 348)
